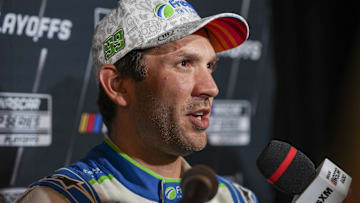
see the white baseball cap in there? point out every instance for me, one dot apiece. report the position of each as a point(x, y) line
point(136, 24)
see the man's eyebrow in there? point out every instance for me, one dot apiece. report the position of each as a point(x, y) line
point(215, 59)
point(183, 54)
point(193, 56)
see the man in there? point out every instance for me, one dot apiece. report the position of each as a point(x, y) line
point(154, 63)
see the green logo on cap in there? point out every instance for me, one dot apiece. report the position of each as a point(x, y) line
point(114, 43)
point(164, 10)
point(170, 193)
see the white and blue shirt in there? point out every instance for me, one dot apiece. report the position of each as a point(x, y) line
point(108, 175)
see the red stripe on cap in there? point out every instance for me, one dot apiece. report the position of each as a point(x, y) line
point(283, 166)
point(235, 36)
point(226, 42)
point(238, 25)
point(215, 39)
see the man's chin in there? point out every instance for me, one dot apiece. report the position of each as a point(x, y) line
point(185, 150)
point(191, 147)
point(188, 152)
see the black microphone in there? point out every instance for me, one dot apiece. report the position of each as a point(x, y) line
point(199, 184)
point(288, 169)
point(292, 172)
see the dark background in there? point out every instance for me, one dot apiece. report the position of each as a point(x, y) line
point(316, 48)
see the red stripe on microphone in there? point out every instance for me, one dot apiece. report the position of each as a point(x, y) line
point(283, 166)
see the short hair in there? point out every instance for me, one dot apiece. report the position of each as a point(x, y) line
point(132, 66)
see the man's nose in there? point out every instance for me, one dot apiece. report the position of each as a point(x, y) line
point(205, 85)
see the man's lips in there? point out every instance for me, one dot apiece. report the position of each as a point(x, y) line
point(201, 124)
point(200, 118)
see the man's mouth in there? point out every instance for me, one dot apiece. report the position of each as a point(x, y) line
point(200, 118)
point(198, 115)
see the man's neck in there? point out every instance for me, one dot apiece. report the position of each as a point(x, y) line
point(171, 169)
point(165, 165)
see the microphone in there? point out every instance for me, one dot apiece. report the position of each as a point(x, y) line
point(292, 172)
point(199, 184)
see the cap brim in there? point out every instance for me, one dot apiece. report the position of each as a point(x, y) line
point(224, 31)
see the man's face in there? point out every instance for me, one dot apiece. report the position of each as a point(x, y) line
point(172, 105)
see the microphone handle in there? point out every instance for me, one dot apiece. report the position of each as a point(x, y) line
point(331, 185)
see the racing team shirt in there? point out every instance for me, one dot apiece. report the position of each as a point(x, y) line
point(108, 175)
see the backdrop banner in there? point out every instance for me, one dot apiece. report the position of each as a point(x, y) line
point(48, 112)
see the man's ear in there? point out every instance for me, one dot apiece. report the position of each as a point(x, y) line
point(116, 88)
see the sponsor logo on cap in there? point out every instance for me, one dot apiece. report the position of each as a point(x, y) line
point(181, 6)
point(164, 10)
point(167, 10)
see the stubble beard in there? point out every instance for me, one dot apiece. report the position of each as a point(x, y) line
point(159, 126)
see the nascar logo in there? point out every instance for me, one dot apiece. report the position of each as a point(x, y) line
point(90, 123)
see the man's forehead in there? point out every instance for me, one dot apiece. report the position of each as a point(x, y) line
point(175, 45)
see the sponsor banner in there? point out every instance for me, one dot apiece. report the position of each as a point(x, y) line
point(230, 123)
point(25, 119)
point(9, 195)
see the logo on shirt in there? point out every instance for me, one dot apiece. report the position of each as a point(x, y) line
point(170, 193)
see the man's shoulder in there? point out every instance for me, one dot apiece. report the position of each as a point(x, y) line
point(42, 194)
point(75, 181)
point(71, 182)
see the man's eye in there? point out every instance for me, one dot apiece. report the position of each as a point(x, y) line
point(184, 63)
point(211, 66)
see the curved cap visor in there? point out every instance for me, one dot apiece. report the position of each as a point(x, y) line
point(225, 31)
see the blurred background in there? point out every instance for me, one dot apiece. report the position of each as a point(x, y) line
point(296, 79)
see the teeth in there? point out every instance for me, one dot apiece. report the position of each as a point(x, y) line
point(198, 115)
